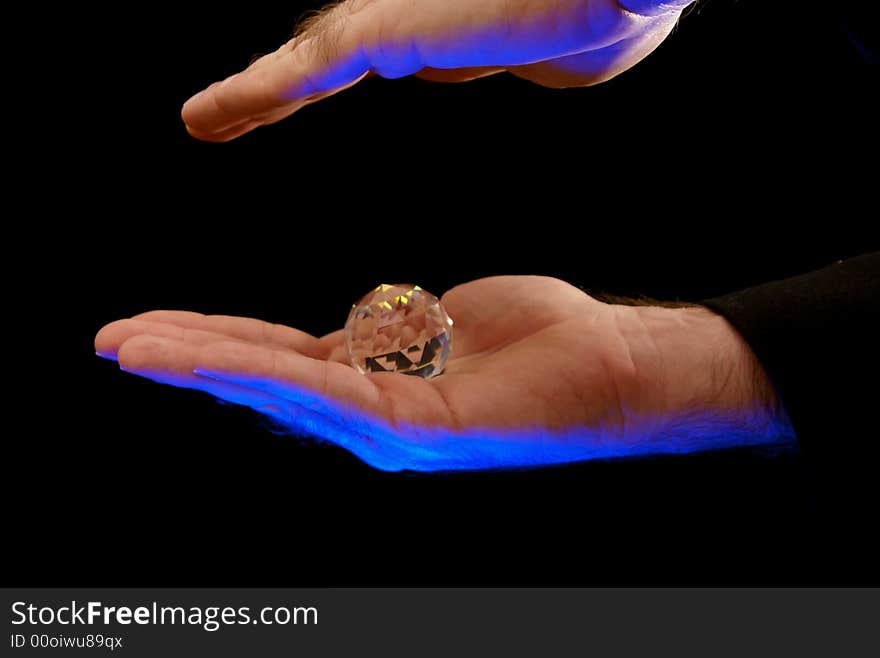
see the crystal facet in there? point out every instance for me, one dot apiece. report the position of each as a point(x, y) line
point(399, 328)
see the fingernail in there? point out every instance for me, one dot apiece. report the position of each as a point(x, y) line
point(206, 374)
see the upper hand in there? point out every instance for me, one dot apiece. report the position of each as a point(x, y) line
point(557, 43)
point(540, 373)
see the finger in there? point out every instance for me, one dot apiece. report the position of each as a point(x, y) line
point(223, 119)
point(327, 56)
point(170, 361)
point(285, 111)
point(465, 74)
point(266, 119)
point(248, 329)
point(314, 383)
point(335, 342)
point(334, 337)
point(112, 336)
point(596, 66)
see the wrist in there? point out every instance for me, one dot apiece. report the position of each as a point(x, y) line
point(709, 377)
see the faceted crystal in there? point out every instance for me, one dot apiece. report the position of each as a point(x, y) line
point(399, 328)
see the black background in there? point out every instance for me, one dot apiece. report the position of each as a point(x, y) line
point(689, 176)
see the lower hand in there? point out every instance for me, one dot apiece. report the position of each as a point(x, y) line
point(540, 373)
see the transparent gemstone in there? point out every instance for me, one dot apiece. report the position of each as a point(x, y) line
point(399, 328)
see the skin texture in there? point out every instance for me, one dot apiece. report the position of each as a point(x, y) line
point(555, 43)
point(540, 373)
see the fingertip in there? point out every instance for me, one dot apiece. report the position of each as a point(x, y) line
point(222, 136)
point(207, 121)
point(142, 352)
point(207, 374)
point(200, 116)
point(189, 111)
point(198, 134)
point(186, 111)
point(201, 135)
point(109, 338)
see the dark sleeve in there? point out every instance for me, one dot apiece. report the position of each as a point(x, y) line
point(818, 337)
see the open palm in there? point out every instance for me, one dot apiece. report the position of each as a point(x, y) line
point(540, 373)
